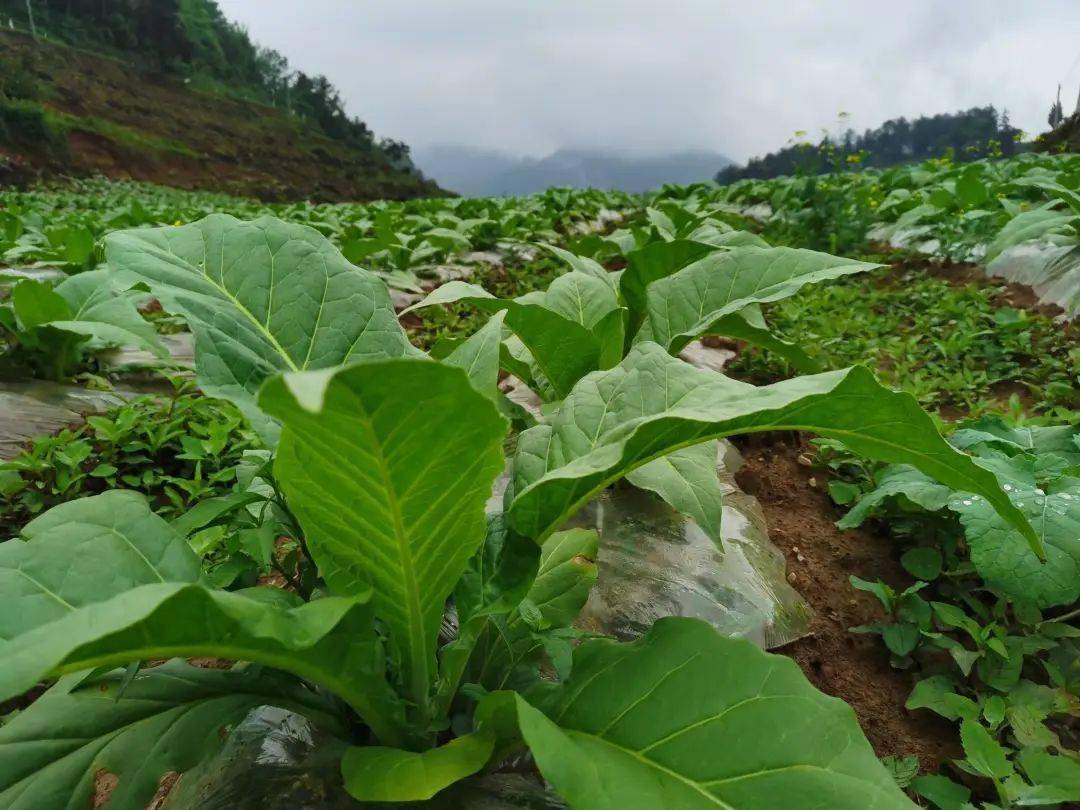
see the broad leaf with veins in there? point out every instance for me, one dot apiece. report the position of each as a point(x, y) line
point(693, 300)
point(388, 466)
point(651, 404)
point(261, 297)
point(102, 581)
point(568, 331)
point(85, 551)
point(169, 718)
point(684, 718)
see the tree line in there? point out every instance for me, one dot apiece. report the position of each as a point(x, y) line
point(193, 39)
point(964, 135)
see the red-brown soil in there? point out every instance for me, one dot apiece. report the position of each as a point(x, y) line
point(820, 558)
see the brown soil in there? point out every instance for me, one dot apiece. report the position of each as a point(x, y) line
point(1015, 295)
point(820, 558)
point(143, 126)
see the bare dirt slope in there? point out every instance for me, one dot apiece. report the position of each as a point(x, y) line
point(124, 123)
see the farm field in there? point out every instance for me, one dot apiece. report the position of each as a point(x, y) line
point(459, 487)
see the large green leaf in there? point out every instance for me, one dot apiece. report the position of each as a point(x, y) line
point(581, 298)
point(166, 719)
point(688, 480)
point(261, 297)
point(1028, 226)
point(1000, 553)
point(897, 481)
point(689, 302)
point(507, 648)
point(104, 313)
point(655, 261)
point(563, 348)
point(652, 404)
point(497, 578)
point(748, 324)
point(377, 774)
point(582, 264)
point(37, 303)
point(330, 641)
point(85, 551)
point(388, 465)
point(478, 357)
point(1001, 556)
point(1054, 778)
point(992, 431)
point(685, 718)
point(566, 575)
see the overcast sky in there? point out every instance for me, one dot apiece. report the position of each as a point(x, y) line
point(738, 77)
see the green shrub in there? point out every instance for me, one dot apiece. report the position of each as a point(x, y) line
point(27, 124)
point(17, 79)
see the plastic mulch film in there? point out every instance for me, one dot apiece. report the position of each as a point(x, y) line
point(762, 212)
point(33, 408)
point(654, 562)
point(40, 408)
point(1052, 271)
point(278, 760)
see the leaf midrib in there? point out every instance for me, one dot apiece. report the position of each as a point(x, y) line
point(421, 676)
point(255, 322)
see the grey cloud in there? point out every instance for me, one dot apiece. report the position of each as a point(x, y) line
point(530, 76)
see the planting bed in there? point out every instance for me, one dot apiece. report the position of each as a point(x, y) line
point(327, 503)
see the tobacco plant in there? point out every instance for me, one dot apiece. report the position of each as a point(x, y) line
point(387, 460)
point(681, 281)
point(49, 331)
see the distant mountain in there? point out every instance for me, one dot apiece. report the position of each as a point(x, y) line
point(467, 170)
point(479, 172)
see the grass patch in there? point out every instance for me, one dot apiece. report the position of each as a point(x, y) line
point(122, 135)
point(27, 125)
point(957, 349)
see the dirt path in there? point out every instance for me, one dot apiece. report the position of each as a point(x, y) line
point(820, 558)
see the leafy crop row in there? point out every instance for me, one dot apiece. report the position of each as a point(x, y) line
point(967, 212)
point(381, 463)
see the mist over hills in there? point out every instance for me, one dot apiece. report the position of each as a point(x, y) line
point(478, 172)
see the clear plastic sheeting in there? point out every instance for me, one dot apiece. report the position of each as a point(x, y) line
point(181, 348)
point(403, 299)
point(911, 237)
point(491, 257)
point(654, 562)
point(1052, 271)
point(277, 760)
point(698, 354)
point(273, 759)
point(39, 408)
point(10, 276)
point(762, 212)
point(604, 218)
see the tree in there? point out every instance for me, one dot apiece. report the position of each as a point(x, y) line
point(160, 29)
point(968, 134)
point(1057, 114)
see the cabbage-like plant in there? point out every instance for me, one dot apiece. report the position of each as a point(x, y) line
point(387, 464)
